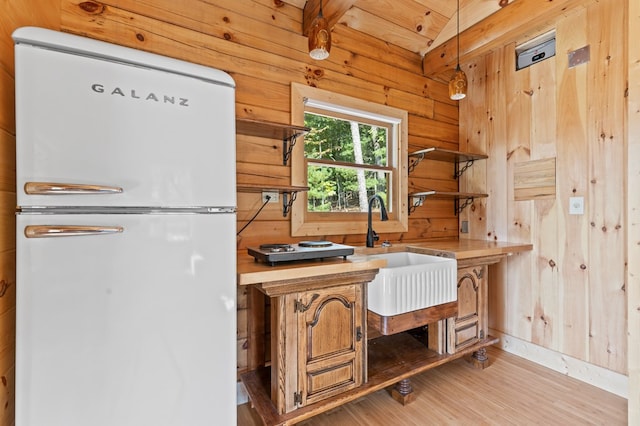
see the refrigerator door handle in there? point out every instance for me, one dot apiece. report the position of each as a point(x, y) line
point(53, 188)
point(48, 231)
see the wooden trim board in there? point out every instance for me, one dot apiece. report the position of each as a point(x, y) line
point(599, 377)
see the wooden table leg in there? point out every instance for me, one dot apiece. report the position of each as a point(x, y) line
point(480, 359)
point(403, 392)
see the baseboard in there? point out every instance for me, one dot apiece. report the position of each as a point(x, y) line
point(602, 378)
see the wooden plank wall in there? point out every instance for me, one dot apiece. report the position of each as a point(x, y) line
point(633, 211)
point(259, 43)
point(569, 294)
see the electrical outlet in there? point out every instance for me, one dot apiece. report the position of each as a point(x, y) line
point(274, 196)
point(464, 227)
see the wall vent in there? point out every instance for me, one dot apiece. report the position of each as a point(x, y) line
point(536, 50)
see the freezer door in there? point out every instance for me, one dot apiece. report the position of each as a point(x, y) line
point(133, 326)
point(164, 139)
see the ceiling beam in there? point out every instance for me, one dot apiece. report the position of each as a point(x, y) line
point(331, 9)
point(507, 25)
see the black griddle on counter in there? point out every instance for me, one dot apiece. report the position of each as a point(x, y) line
point(304, 250)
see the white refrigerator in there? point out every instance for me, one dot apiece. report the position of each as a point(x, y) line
point(126, 249)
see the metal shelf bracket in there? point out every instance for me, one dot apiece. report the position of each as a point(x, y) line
point(416, 161)
point(287, 146)
point(287, 203)
point(460, 204)
point(416, 202)
point(457, 172)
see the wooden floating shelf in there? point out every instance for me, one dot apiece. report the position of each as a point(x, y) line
point(439, 154)
point(466, 198)
point(273, 188)
point(287, 133)
point(441, 195)
point(390, 360)
point(268, 129)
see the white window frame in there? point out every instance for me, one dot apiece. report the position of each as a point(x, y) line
point(316, 224)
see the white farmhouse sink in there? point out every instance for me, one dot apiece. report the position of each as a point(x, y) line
point(411, 281)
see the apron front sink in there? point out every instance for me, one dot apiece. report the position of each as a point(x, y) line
point(411, 281)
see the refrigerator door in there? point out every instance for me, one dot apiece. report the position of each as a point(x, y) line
point(134, 326)
point(167, 139)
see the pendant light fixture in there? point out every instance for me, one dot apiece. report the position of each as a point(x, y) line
point(458, 83)
point(319, 37)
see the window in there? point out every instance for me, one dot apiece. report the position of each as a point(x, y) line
point(355, 149)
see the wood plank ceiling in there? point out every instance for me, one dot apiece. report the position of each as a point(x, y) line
point(428, 27)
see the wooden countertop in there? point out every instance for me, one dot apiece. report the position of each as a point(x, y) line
point(468, 249)
point(252, 272)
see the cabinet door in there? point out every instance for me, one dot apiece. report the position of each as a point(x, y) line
point(469, 325)
point(330, 342)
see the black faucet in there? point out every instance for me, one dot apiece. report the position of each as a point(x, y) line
point(371, 234)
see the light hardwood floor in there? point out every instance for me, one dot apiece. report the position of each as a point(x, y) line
point(512, 391)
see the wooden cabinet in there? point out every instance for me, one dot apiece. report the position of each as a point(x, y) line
point(470, 324)
point(318, 338)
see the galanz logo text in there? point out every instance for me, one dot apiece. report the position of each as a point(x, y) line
point(143, 96)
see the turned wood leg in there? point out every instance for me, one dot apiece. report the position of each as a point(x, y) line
point(480, 358)
point(403, 392)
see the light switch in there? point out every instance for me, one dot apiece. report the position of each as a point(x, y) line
point(576, 205)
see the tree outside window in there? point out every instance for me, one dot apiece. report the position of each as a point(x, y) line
point(346, 163)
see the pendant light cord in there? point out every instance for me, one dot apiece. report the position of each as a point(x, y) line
point(458, 29)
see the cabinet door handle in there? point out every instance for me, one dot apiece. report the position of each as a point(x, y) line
point(358, 334)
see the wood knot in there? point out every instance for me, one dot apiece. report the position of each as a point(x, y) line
point(227, 36)
point(91, 7)
point(4, 286)
point(278, 3)
point(140, 37)
point(528, 92)
point(419, 28)
point(226, 19)
point(583, 266)
point(503, 3)
point(552, 263)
